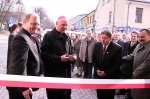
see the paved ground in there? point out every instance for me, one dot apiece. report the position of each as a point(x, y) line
point(40, 94)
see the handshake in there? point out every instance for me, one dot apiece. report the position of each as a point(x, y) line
point(66, 57)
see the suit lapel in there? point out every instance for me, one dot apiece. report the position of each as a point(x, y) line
point(108, 48)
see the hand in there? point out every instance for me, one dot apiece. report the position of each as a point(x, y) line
point(101, 73)
point(71, 57)
point(64, 58)
point(27, 93)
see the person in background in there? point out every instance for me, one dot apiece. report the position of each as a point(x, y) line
point(116, 39)
point(124, 37)
point(99, 37)
point(73, 40)
point(78, 61)
point(141, 63)
point(94, 35)
point(37, 35)
point(127, 39)
point(24, 57)
point(57, 57)
point(127, 67)
point(106, 62)
point(85, 54)
point(20, 26)
point(13, 31)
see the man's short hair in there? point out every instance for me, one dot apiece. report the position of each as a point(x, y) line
point(19, 24)
point(147, 31)
point(107, 32)
point(134, 32)
point(28, 16)
point(88, 31)
point(13, 27)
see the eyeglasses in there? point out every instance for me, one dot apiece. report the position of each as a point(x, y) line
point(33, 23)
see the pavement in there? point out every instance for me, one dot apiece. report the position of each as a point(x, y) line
point(41, 93)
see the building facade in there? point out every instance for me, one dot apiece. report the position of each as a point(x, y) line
point(75, 23)
point(122, 15)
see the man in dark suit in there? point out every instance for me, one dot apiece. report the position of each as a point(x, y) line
point(24, 57)
point(127, 67)
point(106, 62)
point(57, 56)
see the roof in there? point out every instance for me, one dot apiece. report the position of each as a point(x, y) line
point(141, 1)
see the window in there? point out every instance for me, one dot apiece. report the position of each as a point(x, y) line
point(110, 15)
point(138, 18)
point(108, 0)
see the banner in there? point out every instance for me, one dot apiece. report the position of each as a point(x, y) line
point(71, 83)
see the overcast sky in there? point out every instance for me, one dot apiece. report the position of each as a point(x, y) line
point(68, 8)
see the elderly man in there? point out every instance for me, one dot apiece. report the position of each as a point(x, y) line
point(57, 57)
point(141, 63)
point(24, 56)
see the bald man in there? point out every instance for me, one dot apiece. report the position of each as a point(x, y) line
point(57, 57)
point(24, 56)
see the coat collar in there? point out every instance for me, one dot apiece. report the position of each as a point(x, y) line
point(23, 31)
point(58, 35)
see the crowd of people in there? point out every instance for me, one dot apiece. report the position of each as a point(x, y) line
point(103, 55)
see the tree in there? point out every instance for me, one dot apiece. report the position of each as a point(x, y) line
point(46, 22)
point(5, 6)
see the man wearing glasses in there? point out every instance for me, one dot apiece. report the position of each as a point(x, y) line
point(24, 57)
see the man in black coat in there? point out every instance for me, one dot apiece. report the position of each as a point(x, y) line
point(56, 55)
point(24, 57)
point(106, 62)
point(127, 67)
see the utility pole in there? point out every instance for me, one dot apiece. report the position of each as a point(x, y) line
point(114, 15)
point(127, 25)
point(94, 24)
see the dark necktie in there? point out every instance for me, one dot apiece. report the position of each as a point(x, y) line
point(104, 49)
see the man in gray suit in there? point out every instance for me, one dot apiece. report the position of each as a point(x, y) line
point(85, 54)
point(141, 63)
point(24, 57)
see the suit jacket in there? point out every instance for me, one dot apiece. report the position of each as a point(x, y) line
point(110, 62)
point(24, 56)
point(10, 38)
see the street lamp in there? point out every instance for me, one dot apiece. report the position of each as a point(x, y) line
point(94, 24)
